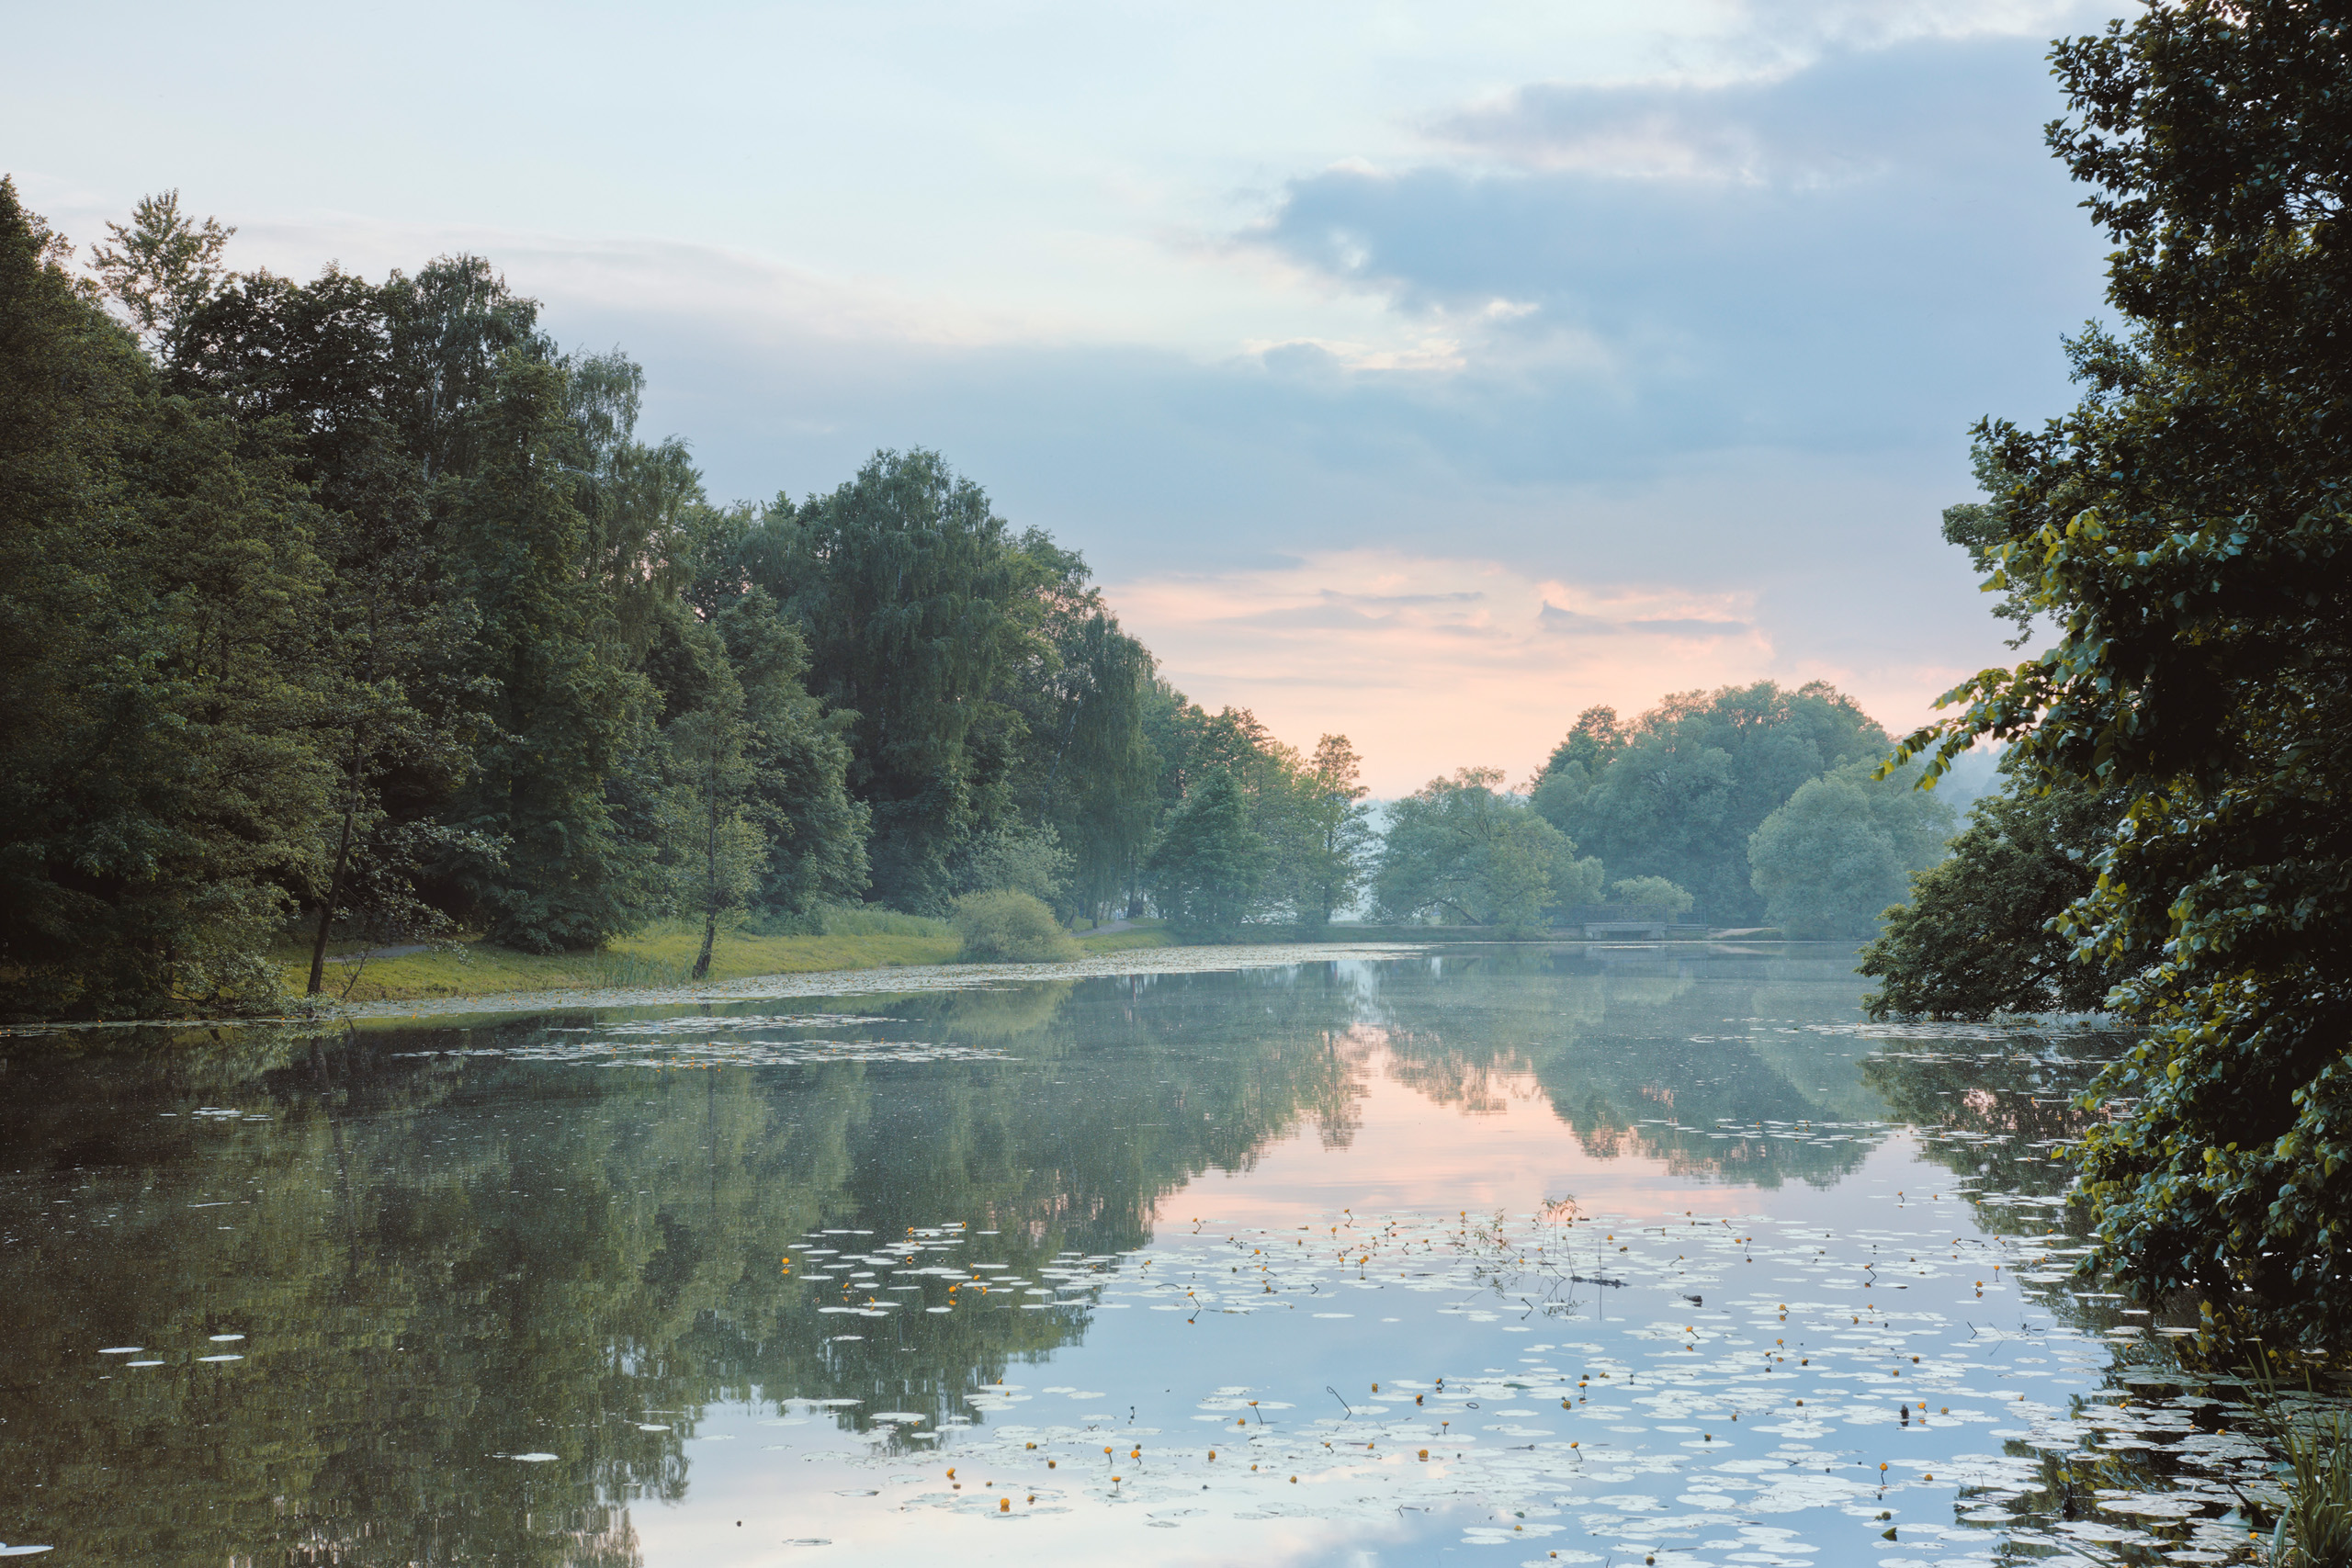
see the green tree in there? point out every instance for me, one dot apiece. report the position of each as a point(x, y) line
point(452, 327)
point(1981, 934)
point(1338, 853)
point(1189, 743)
point(1206, 871)
point(1461, 849)
point(918, 605)
point(160, 674)
point(1677, 793)
point(314, 361)
point(2185, 531)
point(1566, 776)
point(815, 830)
point(644, 504)
point(161, 268)
point(1592, 743)
point(1099, 785)
point(1029, 860)
point(722, 853)
point(1841, 848)
point(565, 714)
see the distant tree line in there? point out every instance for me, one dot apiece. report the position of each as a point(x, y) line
point(1748, 806)
point(363, 605)
point(362, 609)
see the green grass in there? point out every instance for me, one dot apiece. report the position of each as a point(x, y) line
point(1142, 936)
point(661, 954)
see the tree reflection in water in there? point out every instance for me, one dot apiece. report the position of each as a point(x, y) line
point(1718, 1082)
point(443, 1257)
point(442, 1252)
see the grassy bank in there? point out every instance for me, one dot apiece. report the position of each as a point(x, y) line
point(660, 954)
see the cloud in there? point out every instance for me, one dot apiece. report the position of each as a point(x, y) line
point(1430, 662)
point(1433, 419)
point(1768, 37)
point(1827, 258)
point(1571, 623)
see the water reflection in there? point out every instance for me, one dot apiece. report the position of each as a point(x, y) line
point(447, 1247)
point(1996, 1107)
point(445, 1255)
point(1704, 1062)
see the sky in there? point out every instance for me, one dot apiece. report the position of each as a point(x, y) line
point(1426, 373)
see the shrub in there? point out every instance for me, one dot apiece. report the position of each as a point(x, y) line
point(1008, 927)
point(1653, 893)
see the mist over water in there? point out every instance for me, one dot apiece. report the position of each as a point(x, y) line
point(1518, 1253)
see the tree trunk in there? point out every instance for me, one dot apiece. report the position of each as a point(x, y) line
point(334, 891)
point(709, 934)
point(710, 900)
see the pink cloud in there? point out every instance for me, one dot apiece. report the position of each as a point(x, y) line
point(1429, 663)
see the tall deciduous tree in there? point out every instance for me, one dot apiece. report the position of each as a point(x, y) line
point(2186, 530)
point(314, 361)
point(917, 603)
point(1099, 785)
point(563, 712)
point(755, 753)
point(1834, 855)
point(1465, 853)
point(721, 851)
point(1979, 934)
point(1206, 871)
point(161, 267)
point(159, 669)
point(1340, 840)
point(1677, 793)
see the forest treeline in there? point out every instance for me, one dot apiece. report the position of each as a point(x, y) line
point(1747, 807)
point(363, 609)
point(364, 605)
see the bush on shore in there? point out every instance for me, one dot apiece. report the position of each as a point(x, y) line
point(1008, 927)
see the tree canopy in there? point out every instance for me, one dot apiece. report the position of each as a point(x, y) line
point(163, 668)
point(1831, 858)
point(1679, 791)
point(1464, 851)
point(364, 604)
point(1979, 934)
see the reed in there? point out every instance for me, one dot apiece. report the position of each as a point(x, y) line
point(2315, 1436)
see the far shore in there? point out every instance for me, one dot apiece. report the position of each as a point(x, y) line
point(661, 956)
point(651, 968)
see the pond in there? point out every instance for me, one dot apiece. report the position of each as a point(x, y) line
point(1511, 1255)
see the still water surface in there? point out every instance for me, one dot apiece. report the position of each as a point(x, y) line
point(1491, 1255)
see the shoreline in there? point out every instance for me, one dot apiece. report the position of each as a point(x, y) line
point(883, 980)
point(1134, 951)
point(657, 955)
